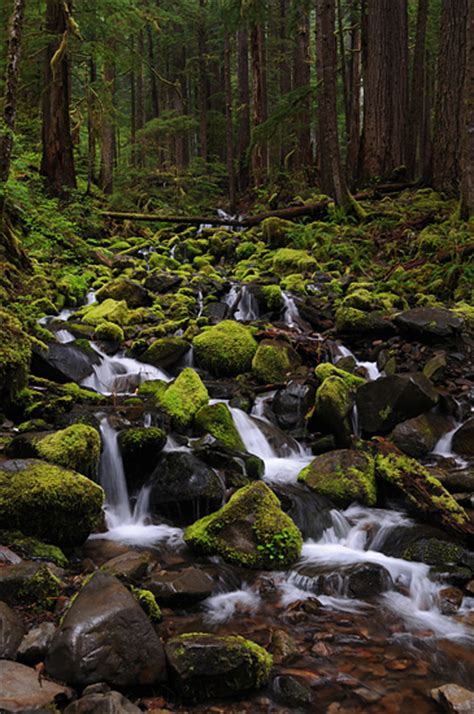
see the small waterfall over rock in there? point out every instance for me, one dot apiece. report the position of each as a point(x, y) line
point(121, 375)
point(370, 368)
point(248, 306)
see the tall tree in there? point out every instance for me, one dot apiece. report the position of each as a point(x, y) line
point(449, 97)
point(10, 99)
point(243, 98)
point(203, 89)
point(467, 192)
point(57, 163)
point(229, 121)
point(301, 80)
point(259, 99)
point(333, 181)
point(385, 88)
point(354, 82)
point(107, 128)
point(417, 95)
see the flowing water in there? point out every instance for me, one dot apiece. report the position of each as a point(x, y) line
point(120, 374)
point(370, 368)
point(247, 307)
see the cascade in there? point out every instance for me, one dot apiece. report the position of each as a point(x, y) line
point(371, 368)
point(248, 307)
point(120, 375)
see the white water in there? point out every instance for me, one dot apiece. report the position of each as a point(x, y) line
point(291, 315)
point(64, 336)
point(223, 607)
point(200, 302)
point(371, 368)
point(248, 306)
point(354, 537)
point(120, 375)
point(278, 469)
point(444, 447)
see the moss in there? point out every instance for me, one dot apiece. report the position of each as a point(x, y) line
point(277, 232)
point(265, 537)
point(166, 351)
point(352, 320)
point(81, 395)
point(15, 357)
point(333, 404)
point(148, 603)
point(77, 448)
point(42, 589)
point(33, 425)
point(325, 370)
point(288, 260)
point(226, 349)
point(33, 549)
point(109, 332)
point(273, 297)
point(216, 419)
point(273, 360)
point(343, 476)
point(44, 306)
point(184, 397)
point(294, 283)
point(245, 250)
point(154, 389)
point(47, 502)
point(434, 552)
point(108, 311)
point(466, 312)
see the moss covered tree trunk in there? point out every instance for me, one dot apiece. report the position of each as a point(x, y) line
point(57, 164)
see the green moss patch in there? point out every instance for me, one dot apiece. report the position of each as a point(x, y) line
point(226, 349)
point(184, 397)
point(343, 475)
point(77, 447)
point(216, 419)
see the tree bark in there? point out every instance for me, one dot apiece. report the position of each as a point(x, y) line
point(243, 92)
point(448, 108)
point(417, 98)
point(203, 90)
point(91, 124)
point(302, 78)
point(385, 89)
point(57, 164)
point(355, 84)
point(12, 74)
point(467, 189)
point(332, 178)
point(259, 102)
point(107, 130)
point(228, 120)
point(154, 94)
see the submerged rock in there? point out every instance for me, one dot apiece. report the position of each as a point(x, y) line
point(11, 632)
point(204, 666)
point(273, 360)
point(48, 502)
point(343, 475)
point(250, 530)
point(216, 419)
point(225, 350)
point(390, 400)
point(23, 691)
point(359, 581)
point(106, 637)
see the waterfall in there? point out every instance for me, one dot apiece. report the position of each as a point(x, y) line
point(248, 306)
point(372, 371)
point(120, 375)
point(444, 447)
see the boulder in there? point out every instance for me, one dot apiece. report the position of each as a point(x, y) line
point(204, 666)
point(351, 321)
point(183, 398)
point(216, 419)
point(11, 632)
point(429, 322)
point(109, 311)
point(184, 487)
point(237, 467)
point(28, 583)
point(343, 475)
point(277, 232)
point(22, 691)
point(166, 352)
point(35, 645)
point(15, 356)
point(106, 637)
point(110, 333)
point(140, 448)
point(333, 408)
point(32, 549)
point(48, 502)
point(454, 699)
point(130, 567)
point(98, 699)
point(76, 448)
point(250, 530)
point(225, 350)
point(291, 405)
point(388, 401)
point(274, 360)
point(64, 363)
point(161, 282)
point(418, 436)
point(180, 587)
point(134, 294)
point(463, 439)
point(288, 261)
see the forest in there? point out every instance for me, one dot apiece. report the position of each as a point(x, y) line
point(236, 356)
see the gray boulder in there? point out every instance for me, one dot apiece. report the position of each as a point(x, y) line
point(36, 643)
point(23, 692)
point(180, 587)
point(418, 436)
point(63, 362)
point(463, 439)
point(429, 322)
point(11, 632)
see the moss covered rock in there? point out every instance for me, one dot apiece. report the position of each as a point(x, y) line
point(108, 311)
point(287, 261)
point(15, 356)
point(326, 369)
point(29, 583)
point(333, 407)
point(108, 332)
point(148, 603)
point(77, 448)
point(226, 349)
point(140, 449)
point(134, 294)
point(272, 298)
point(204, 666)
point(216, 419)
point(32, 548)
point(342, 475)
point(183, 398)
point(273, 360)
point(250, 530)
point(48, 502)
point(165, 352)
point(351, 320)
point(277, 232)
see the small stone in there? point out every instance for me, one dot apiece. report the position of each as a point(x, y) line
point(454, 698)
point(11, 632)
point(35, 644)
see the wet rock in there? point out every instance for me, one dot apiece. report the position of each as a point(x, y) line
point(182, 587)
point(184, 487)
point(435, 368)
point(106, 637)
point(204, 666)
point(165, 352)
point(130, 567)
point(289, 690)
point(48, 502)
point(134, 294)
point(450, 600)
point(29, 582)
point(107, 702)
point(282, 443)
point(429, 322)
point(8, 557)
point(23, 691)
point(418, 436)
point(183, 398)
point(140, 448)
point(63, 362)
point(283, 647)
point(463, 439)
point(11, 632)
point(292, 404)
point(216, 312)
point(216, 419)
point(226, 349)
point(100, 551)
point(250, 530)
point(35, 644)
point(435, 551)
point(343, 475)
point(388, 401)
point(359, 581)
point(237, 467)
point(454, 699)
point(333, 408)
point(274, 360)
point(163, 282)
point(351, 321)
point(458, 480)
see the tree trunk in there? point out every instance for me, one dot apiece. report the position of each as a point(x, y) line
point(140, 96)
point(467, 192)
point(301, 79)
point(355, 84)
point(257, 51)
point(107, 132)
point(418, 83)
point(385, 88)
point(57, 164)
point(332, 179)
point(133, 109)
point(91, 124)
point(243, 91)
point(203, 90)
point(228, 121)
point(12, 74)
point(448, 109)
point(284, 73)
point(154, 94)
